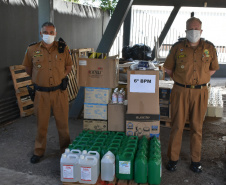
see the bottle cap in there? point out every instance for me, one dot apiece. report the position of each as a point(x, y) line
point(84, 152)
point(64, 155)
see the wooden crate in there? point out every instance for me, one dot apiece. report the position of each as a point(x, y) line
point(20, 80)
point(73, 85)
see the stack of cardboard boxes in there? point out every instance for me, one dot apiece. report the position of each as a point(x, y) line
point(99, 76)
point(142, 117)
point(95, 108)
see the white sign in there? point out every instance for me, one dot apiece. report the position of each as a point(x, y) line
point(142, 83)
point(82, 62)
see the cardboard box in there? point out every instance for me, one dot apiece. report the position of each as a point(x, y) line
point(98, 72)
point(143, 125)
point(143, 92)
point(95, 111)
point(97, 95)
point(98, 125)
point(116, 117)
point(141, 128)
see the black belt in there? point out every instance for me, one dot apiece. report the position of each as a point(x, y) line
point(191, 86)
point(47, 89)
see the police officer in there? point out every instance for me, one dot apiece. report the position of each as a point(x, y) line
point(190, 63)
point(48, 63)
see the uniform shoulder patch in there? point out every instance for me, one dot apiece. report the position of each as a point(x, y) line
point(33, 43)
point(208, 42)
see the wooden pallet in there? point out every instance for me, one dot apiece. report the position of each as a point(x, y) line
point(20, 80)
point(114, 182)
point(165, 122)
point(73, 85)
point(99, 182)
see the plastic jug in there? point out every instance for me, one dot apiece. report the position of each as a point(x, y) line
point(124, 166)
point(97, 155)
point(88, 171)
point(108, 167)
point(69, 168)
point(141, 169)
point(154, 169)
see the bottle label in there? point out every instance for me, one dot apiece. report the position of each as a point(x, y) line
point(68, 172)
point(114, 98)
point(124, 167)
point(86, 173)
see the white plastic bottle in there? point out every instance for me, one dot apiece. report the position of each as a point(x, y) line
point(76, 152)
point(115, 96)
point(97, 155)
point(69, 168)
point(88, 169)
point(120, 97)
point(108, 167)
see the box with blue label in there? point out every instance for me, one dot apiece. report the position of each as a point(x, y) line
point(95, 111)
point(97, 95)
point(143, 125)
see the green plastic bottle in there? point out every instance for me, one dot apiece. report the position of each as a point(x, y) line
point(141, 169)
point(114, 150)
point(154, 169)
point(125, 166)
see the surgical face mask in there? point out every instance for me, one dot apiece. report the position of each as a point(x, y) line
point(193, 35)
point(48, 39)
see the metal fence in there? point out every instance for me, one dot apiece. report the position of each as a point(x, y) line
point(145, 27)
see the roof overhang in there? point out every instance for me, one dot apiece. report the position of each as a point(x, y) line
point(191, 3)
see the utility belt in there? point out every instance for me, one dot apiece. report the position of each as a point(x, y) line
point(191, 86)
point(46, 89)
point(62, 86)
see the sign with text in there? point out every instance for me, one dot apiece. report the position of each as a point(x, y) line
point(142, 83)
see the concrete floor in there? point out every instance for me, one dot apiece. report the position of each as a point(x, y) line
point(17, 142)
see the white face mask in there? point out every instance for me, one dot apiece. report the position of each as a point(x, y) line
point(48, 39)
point(193, 35)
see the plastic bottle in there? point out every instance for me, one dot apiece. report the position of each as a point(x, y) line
point(115, 96)
point(120, 97)
point(69, 168)
point(154, 169)
point(88, 170)
point(108, 167)
point(124, 166)
point(141, 169)
point(97, 156)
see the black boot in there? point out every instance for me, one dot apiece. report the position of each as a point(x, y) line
point(35, 159)
point(171, 166)
point(196, 167)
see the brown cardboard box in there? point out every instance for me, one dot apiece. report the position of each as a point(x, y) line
point(98, 72)
point(97, 125)
point(97, 95)
point(95, 111)
point(116, 117)
point(141, 128)
point(143, 92)
point(143, 124)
